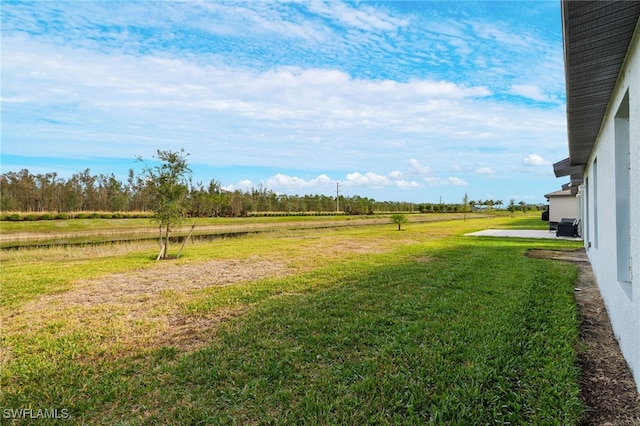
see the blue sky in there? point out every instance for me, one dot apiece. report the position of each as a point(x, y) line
point(404, 101)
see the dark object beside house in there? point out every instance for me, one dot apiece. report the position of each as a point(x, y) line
point(545, 215)
point(567, 227)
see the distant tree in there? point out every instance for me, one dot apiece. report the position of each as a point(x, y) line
point(169, 186)
point(8, 201)
point(466, 206)
point(237, 205)
point(399, 219)
point(219, 198)
point(488, 206)
point(512, 206)
point(89, 192)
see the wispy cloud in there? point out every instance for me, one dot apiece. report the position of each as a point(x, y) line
point(532, 92)
point(345, 91)
point(435, 181)
point(418, 168)
point(363, 17)
point(487, 171)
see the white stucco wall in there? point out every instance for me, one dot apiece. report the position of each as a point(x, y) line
point(598, 200)
point(562, 206)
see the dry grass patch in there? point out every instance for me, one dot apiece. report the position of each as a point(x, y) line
point(140, 309)
point(143, 287)
point(143, 309)
point(423, 259)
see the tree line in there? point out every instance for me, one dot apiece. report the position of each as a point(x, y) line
point(24, 191)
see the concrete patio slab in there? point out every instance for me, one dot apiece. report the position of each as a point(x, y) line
point(520, 233)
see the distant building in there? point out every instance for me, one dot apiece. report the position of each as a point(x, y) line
point(602, 67)
point(562, 204)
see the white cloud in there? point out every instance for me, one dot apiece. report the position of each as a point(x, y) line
point(532, 92)
point(535, 160)
point(127, 102)
point(396, 174)
point(494, 32)
point(362, 18)
point(368, 179)
point(375, 180)
point(404, 184)
point(282, 182)
point(16, 100)
point(454, 181)
point(418, 168)
point(319, 86)
point(486, 171)
point(242, 185)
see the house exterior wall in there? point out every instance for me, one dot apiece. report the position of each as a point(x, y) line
point(563, 206)
point(612, 233)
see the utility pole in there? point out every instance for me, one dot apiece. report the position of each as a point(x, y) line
point(337, 197)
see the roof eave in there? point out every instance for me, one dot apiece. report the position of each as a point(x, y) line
point(564, 168)
point(596, 36)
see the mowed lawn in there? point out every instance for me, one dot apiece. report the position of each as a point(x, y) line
point(365, 325)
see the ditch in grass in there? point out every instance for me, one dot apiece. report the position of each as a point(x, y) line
point(436, 329)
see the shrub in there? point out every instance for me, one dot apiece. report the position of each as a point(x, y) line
point(62, 216)
point(14, 217)
point(46, 216)
point(31, 217)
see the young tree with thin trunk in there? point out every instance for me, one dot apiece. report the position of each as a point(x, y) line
point(399, 219)
point(466, 207)
point(512, 206)
point(169, 184)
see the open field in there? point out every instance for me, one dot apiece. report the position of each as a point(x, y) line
point(346, 325)
point(90, 231)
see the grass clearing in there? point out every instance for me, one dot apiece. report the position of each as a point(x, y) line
point(78, 232)
point(353, 325)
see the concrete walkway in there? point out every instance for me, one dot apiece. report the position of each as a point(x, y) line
point(520, 233)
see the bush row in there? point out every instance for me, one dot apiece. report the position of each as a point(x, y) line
point(278, 214)
point(17, 217)
point(31, 216)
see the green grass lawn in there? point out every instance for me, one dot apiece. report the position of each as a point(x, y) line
point(368, 325)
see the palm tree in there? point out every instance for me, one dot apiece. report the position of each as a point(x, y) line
point(399, 219)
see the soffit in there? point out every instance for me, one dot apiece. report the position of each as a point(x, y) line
point(596, 38)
